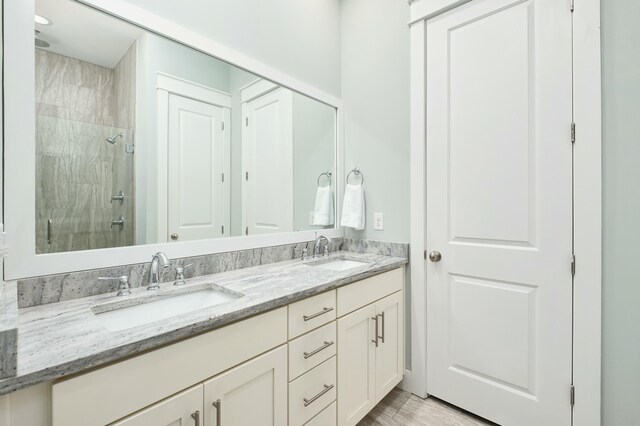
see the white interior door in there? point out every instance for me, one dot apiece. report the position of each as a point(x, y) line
point(499, 209)
point(196, 188)
point(268, 163)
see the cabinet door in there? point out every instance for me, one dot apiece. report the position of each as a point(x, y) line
point(390, 351)
point(254, 393)
point(356, 365)
point(183, 409)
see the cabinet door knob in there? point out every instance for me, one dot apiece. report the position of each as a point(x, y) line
point(174, 236)
point(435, 256)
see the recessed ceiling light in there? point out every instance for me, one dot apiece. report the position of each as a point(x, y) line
point(41, 20)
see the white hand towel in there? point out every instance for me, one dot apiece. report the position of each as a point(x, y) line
point(323, 210)
point(353, 212)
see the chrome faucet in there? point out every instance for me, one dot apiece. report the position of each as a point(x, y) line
point(158, 260)
point(318, 244)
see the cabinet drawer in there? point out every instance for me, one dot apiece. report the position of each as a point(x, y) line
point(312, 392)
point(361, 293)
point(312, 349)
point(326, 418)
point(311, 313)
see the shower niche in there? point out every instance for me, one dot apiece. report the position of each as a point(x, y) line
point(143, 140)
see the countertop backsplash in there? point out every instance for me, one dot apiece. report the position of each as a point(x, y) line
point(73, 285)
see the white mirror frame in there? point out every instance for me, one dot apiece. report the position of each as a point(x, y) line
point(19, 149)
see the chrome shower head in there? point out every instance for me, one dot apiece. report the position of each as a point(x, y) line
point(112, 139)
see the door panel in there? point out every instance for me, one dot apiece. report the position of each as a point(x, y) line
point(499, 209)
point(268, 163)
point(356, 365)
point(390, 352)
point(254, 393)
point(178, 410)
point(195, 199)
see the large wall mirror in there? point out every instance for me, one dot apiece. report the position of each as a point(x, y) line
point(141, 140)
point(128, 134)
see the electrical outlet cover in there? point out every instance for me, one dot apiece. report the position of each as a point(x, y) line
point(378, 221)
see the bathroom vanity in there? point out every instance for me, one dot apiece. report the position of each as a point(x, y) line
point(318, 342)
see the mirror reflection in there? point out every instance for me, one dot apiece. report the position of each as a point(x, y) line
point(141, 140)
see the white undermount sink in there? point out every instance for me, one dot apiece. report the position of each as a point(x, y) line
point(122, 315)
point(337, 264)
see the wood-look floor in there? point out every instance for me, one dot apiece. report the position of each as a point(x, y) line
point(400, 408)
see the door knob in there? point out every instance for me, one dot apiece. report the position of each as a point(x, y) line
point(435, 256)
point(174, 236)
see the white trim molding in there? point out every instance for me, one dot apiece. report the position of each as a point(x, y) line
point(416, 381)
point(587, 173)
point(19, 121)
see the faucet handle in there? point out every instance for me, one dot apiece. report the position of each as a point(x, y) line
point(124, 289)
point(325, 251)
point(180, 274)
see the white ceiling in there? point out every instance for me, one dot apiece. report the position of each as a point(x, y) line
point(84, 33)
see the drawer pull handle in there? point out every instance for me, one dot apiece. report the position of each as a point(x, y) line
point(376, 331)
point(317, 314)
point(326, 389)
point(218, 404)
point(382, 336)
point(196, 417)
point(308, 355)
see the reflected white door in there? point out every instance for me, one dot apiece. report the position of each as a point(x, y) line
point(499, 194)
point(196, 200)
point(268, 163)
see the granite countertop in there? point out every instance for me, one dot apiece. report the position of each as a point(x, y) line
point(59, 339)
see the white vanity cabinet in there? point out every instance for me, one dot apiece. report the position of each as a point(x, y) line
point(370, 356)
point(184, 408)
point(254, 393)
point(324, 360)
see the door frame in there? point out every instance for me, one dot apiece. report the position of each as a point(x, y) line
point(587, 174)
point(167, 85)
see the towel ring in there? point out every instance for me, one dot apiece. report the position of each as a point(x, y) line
point(327, 174)
point(357, 173)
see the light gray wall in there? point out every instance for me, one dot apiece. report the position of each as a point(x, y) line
point(621, 212)
point(300, 38)
point(156, 54)
point(375, 94)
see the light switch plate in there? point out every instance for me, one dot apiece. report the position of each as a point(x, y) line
point(378, 221)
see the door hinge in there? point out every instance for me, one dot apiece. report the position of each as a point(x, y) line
point(572, 5)
point(246, 231)
point(246, 121)
point(222, 229)
point(573, 264)
point(223, 177)
point(223, 126)
point(572, 395)
point(246, 175)
point(573, 132)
